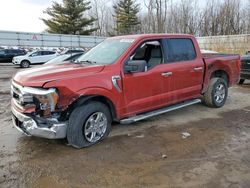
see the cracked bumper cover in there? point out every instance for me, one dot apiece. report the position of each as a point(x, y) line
point(30, 127)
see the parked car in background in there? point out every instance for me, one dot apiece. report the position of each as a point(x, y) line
point(245, 69)
point(64, 57)
point(35, 57)
point(6, 55)
point(72, 51)
point(124, 79)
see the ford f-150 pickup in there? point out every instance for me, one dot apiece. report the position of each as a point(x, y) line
point(123, 79)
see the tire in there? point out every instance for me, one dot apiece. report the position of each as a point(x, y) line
point(25, 64)
point(216, 94)
point(241, 81)
point(80, 124)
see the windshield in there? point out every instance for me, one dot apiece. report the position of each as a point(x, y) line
point(29, 53)
point(58, 59)
point(106, 52)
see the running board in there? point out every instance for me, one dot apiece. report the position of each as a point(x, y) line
point(159, 111)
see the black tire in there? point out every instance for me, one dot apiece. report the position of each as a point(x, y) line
point(241, 81)
point(77, 122)
point(210, 94)
point(25, 64)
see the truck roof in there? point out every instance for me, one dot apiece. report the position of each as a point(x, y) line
point(139, 36)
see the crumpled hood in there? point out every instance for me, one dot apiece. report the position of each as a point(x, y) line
point(37, 77)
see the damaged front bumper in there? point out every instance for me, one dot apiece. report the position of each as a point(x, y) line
point(51, 129)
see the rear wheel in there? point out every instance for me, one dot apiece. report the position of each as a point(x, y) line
point(217, 92)
point(25, 64)
point(88, 124)
point(241, 81)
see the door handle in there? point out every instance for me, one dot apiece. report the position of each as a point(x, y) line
point(166, 74)
point(198, 68)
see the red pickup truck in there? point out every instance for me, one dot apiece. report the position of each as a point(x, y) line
point(124, 79)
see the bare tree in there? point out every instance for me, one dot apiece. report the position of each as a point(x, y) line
point(224, 17)
point(156, 15)
point(102, 11)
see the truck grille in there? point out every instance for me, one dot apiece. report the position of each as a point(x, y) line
point(19, 97)
point(16, 93)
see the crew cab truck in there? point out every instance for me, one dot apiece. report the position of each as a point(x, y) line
point(124, 79)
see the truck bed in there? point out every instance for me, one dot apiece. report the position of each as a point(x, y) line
point(229, 63)
point(220, 55)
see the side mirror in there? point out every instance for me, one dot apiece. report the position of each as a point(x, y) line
point(134, 66)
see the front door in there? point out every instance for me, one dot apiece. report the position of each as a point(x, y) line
point(143, 91)
point(36, 57)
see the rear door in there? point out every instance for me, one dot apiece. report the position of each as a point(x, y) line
point(48, 55)
point(184, 75)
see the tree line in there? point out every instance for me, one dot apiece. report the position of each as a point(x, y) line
point(105, 18)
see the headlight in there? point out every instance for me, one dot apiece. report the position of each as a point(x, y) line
point(42, 98)
point(47, 98)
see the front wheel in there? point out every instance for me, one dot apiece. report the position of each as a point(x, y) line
point(216, 94)
point(25, 64)
point(88, 124)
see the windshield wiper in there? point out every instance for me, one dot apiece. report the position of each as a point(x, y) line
point(86, 61)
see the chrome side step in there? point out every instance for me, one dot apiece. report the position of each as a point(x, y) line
point(159, 111)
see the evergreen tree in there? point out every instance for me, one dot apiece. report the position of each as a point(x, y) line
point(68, 18)
point(126, 16)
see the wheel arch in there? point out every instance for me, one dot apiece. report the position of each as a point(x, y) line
point(25, 60)
point(221, 74)
point(88, 98)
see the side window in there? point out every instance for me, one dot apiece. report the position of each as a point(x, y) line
point(51, 53)
point(38, 53)
point(14, 51)
point(179, 50)
point(8, 51)
point(151, 52)
point(140, 53)
point(47, 52)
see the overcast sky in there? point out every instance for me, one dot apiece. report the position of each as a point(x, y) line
point(24, 15)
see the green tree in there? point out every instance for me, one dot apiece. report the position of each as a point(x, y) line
point(68, 18)
point(126, 16)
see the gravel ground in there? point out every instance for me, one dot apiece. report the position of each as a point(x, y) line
point(214, 150)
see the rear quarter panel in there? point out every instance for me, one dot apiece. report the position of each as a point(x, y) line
point(227, 63)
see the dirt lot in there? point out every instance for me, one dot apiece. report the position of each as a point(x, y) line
point(151, 153)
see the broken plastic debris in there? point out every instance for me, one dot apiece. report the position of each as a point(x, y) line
point(164, 156)
point(140, 136)
point(185, 135)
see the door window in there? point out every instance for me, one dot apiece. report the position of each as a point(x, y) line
point(47, 52)
point(151, 52)
point(178, 50)
point(38, 53)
